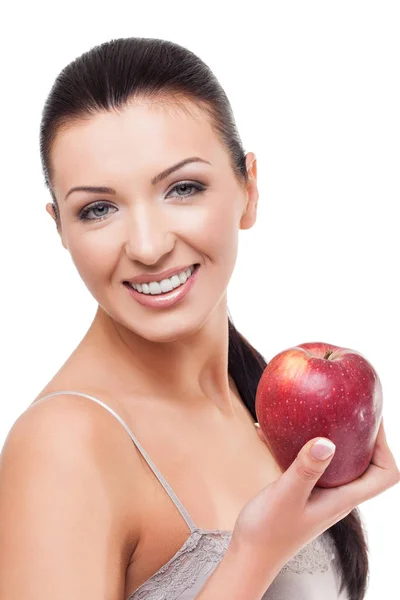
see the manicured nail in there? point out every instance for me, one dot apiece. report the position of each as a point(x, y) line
point(323, 449)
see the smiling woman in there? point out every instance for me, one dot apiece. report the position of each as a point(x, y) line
point(150, 186)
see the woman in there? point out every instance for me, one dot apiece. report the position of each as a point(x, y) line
point(150, 186)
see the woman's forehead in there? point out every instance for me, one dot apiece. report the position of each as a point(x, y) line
point(140, 138)
point(135, 125)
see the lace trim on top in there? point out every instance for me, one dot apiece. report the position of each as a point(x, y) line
point(315, 556)
point(204, 548)
point(183, 569)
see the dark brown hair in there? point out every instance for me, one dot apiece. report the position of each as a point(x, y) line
point(105, 78)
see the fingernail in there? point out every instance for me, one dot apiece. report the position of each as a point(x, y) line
point(323, 449)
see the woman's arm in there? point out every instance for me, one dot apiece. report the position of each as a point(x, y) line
point(61, 535)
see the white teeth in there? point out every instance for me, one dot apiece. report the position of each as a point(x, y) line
point(175, 281)
point(154, 287)
point(166, 285)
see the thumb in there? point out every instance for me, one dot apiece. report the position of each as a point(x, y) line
point(310, 463)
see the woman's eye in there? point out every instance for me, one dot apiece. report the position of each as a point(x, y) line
point(100, 207)
point(100, 210)
point(183, 186)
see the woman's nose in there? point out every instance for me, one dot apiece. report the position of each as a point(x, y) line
point(148, 234)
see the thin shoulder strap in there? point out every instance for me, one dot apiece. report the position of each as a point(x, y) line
point(143, 452)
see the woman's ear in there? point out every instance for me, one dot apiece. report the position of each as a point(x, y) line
point(51, 209)
point(250, 212)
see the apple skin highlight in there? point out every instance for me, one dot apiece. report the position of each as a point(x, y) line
point(321, 390)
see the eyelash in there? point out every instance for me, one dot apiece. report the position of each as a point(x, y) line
point(83, 215)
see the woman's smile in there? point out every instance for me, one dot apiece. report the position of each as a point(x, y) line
point(165, 293)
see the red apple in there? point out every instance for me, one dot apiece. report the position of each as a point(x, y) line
point(318, 389)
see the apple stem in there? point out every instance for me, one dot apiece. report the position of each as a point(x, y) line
point(328, 353)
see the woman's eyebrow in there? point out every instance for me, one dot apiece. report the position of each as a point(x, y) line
point(156, 179)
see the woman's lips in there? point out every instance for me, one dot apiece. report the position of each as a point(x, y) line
point(167, 299)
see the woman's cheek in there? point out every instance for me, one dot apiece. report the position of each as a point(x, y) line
point(95, 254)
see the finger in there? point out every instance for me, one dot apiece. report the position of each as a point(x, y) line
point(381, 474)
point(263, 438)
point(328, 503)
point(300, 478)
point(260, 433)
point(382, 456)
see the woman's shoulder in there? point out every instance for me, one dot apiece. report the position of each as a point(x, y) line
point(61, 431)
point(70, 439)
point(63, 508)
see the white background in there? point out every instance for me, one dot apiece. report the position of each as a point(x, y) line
point(315, 90)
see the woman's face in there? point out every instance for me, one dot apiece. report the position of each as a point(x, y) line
point(146, 227)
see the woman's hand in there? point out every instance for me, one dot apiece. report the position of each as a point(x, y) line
point(290, 512)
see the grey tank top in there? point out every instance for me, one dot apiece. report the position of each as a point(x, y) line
point(312, 574)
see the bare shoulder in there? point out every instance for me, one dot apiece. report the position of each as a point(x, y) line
point(64, 501)
point(70, 430)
